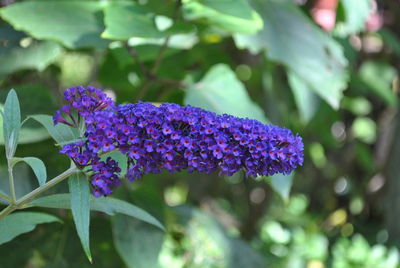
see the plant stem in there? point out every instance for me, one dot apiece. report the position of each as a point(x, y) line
point(160, 56)
point(30, 196)
point(151, 75)
point(11, 181)
point(5, 197)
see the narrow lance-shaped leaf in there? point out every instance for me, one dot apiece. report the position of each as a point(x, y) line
point(11, 122)
point(80, 206)
point(37, 166)
point(107, 205)
point(22, 222)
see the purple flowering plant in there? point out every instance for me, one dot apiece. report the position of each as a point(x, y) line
point(170, 137)
point(152, 139)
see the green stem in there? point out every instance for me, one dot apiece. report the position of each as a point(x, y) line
point(11, 181)
point(5, 197)
point(30, 196)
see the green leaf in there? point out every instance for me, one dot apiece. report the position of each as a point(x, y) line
point(25, 184)
point(235, 16)
point(282, 184)
point(289, 37)
point(137, 242)
point(124, 20)
point(306, 100)
point(36, 56)
point(365, 129)
point(80, 207)
point(121, 159)
point(356, 13)
point(60, 132)
point(220, 91)
point(379, 76)
point(11, 122)
point(107, 205)
point(37, 166)
point(22, 222)
point(75, 24)
point(391, 40)
point(31, 98)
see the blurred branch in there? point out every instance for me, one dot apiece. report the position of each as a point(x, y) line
point(393, 186)
point(151, 75)
point(178, 5)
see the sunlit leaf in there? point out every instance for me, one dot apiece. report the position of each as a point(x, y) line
point(36, 56)
point(234, 16)
point(356, 13)
point(220, 91)
point(73, 23)
point(127, 19)
point(290, 38)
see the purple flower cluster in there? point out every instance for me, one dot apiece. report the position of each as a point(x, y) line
point(171, 137)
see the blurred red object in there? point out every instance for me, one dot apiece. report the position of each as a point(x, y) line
point(324, 13)
point(375, 19)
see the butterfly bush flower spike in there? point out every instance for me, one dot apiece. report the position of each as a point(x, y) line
point(172, 138)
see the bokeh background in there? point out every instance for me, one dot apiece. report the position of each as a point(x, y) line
point(327, 69)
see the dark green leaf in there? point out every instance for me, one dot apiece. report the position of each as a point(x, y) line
point(22, 222)
point(379, 76)
point(108, 205)
point(80, 207)
point(220, 91)
point(289, 37)
point(234, 16)
point(137, 242)
point(11, 122)
point(73, 23)
point(36, 56)
point(391, 40)
point(38, 168)
point(60, 132)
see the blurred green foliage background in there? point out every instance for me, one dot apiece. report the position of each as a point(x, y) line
point(328, 70)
